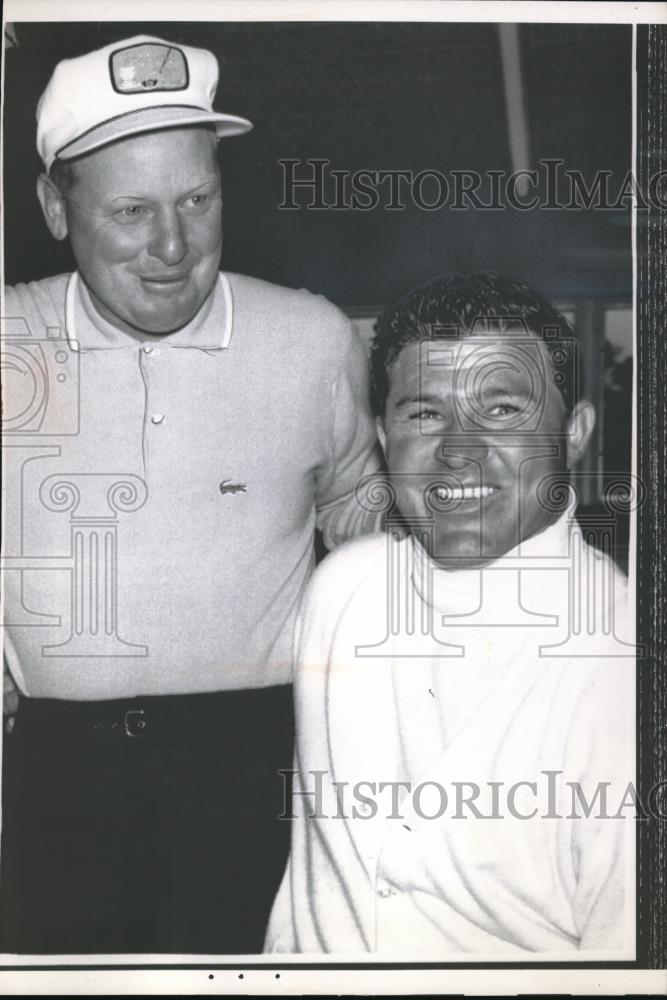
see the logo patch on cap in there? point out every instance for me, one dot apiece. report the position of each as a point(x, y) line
point(151, 66)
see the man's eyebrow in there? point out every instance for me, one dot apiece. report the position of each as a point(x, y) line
point(213, 179)
point(508, 390)
point(416, 397)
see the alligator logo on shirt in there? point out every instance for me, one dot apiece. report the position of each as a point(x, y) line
point(227, 486)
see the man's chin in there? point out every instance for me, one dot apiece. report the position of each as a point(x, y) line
point(466, 553)
point(171, 317)
point(158, 322)
point(163, 326)
point(455, 563)
point(158, 313)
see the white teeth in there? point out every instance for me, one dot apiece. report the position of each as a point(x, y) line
point(449, 493)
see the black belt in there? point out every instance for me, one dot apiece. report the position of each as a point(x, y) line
point(152, 716)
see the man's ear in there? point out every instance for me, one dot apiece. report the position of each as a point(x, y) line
point(382, 436)
point(53, 207)
point(579, 429)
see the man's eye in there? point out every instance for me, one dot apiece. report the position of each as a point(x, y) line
point(426, 413)
point(197, 202)
point(130, 213)
point(503, 410)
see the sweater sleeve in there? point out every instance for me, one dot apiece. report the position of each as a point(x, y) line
point(602, 843)
point(353, 451)
point(291, 902)
point(281, 934)
point(315, 910)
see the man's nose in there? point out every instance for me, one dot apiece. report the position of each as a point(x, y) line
point(168, 239)
point(458, 454)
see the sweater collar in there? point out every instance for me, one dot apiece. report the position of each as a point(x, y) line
point(209, 330)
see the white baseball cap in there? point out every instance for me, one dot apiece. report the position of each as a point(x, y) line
point(133, 86)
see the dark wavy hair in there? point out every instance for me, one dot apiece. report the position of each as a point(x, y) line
point(457, 305)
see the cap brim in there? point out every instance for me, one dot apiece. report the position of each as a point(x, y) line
point(148, 120)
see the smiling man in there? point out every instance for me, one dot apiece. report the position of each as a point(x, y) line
point(162, 488)
point(149, 248)
point(484, 420)
point(464, 693)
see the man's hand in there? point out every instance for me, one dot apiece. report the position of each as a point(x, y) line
point(10, 699)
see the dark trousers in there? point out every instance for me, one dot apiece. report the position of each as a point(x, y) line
point(148, 825)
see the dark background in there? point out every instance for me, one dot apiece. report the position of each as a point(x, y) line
point(376, 96)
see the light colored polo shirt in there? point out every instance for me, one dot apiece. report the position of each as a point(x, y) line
point(161, 492)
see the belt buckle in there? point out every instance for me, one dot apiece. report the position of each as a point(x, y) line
point(134, 723)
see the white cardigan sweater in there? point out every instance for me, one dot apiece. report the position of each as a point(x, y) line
point(443, 681)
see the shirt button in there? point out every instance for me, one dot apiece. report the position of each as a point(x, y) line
point(157, 418)
point(384, 893)
point(148, 348)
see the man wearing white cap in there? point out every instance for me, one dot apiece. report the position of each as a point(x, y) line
point(197, 427)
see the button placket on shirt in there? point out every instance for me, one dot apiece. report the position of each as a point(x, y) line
point(149, 351)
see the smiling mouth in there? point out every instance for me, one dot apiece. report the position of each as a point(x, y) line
point(449, 494)
point(167, 280)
